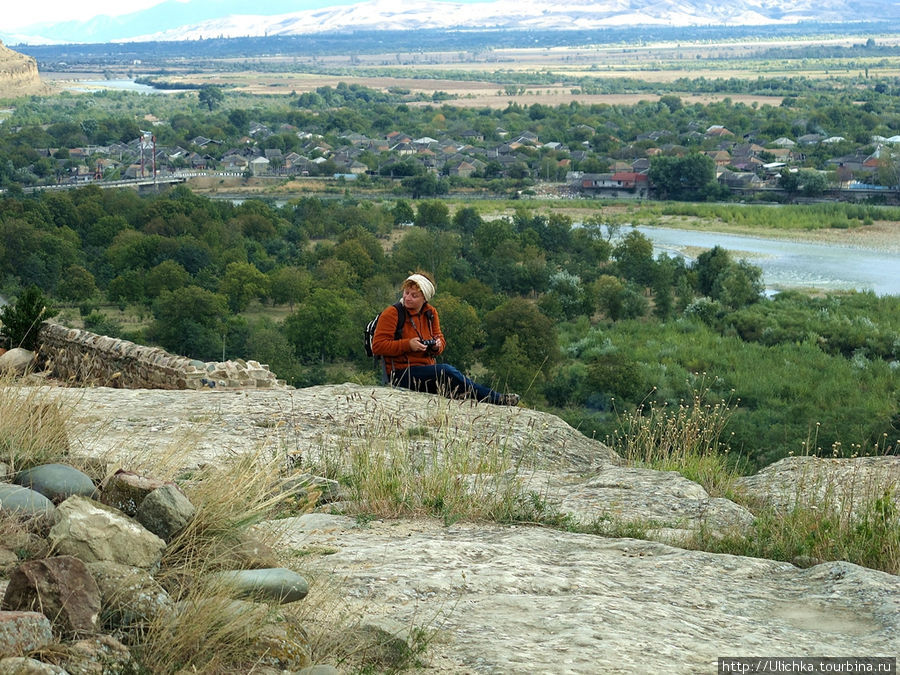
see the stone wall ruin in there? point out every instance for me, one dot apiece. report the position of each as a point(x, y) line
point(85, 358)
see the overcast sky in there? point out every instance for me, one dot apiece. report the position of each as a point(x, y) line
point(17, 14)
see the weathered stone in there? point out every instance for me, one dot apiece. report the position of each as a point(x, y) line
point(314, 489)
point(166, 511)
point(125, 490)
point(8, 558)
point(513, 599)
point(22, 665)
point(16, 361)
point(61, 588)
point(26, 545)
point(849, 486)
point(83, 357)
point(130, 595)
point(23, 632)
point(384, 641)
point(282, 646)
point(276, 584)
point(24, 501)
point(664, 502)
point(245, 551)
point(321, 669)
point(527, 599)
point(20, 75)
point(95, 532)
point(100, 655)
point(57, 482)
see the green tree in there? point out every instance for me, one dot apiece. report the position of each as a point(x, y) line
point(511, 369)
point(462, 329)
point(403, 213)
point(609, 292)
point(634, 258)
point(789, 181)
point(167, 276)
point(76, 285)
point(210, 96)
point(813, 182)
point(691, 177)
point(289, 285)
point(323, 328)
point(191, 322)
point(433, 215)
point(740, 285)
point(243, 282)
point(710, 265)
point(435, 252)
point(535, 332)
point(467, 220)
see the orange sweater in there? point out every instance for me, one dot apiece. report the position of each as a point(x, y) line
point(397, 353)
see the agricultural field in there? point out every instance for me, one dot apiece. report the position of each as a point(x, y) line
point(493, 78)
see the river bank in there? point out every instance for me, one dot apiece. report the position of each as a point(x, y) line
point(881, 235)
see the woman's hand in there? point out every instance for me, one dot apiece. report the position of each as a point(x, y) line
point(416, 345)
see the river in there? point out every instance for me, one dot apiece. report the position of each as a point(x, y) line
point(120, 85)
point(792, 264)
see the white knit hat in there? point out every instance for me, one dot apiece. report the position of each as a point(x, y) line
point(424, 285)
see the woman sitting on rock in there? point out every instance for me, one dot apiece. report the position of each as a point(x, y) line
point(410, 360)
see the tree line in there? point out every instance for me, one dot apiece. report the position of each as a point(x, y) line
point(581, 317)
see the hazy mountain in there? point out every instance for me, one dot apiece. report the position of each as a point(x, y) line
point(174, 20)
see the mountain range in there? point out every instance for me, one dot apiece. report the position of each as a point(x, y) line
point(203, 19)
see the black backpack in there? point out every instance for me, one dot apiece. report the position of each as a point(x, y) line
point(369, 331)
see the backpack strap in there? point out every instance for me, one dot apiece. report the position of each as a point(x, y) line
point(401, 319)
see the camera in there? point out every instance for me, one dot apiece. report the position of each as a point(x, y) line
point(430, 345)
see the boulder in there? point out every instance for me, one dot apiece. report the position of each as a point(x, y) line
point(165, 511)
point(16, 361)
point(130, 595)
point(385, 641)
point(24, 501)
point(23, 632)
point(125, 490)
point(99, 655)
point(276, 584)
point(22, 665)
point(95, 532)
point(57, 482)
point(61, 588)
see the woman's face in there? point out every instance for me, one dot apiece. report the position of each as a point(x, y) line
point(413, 299)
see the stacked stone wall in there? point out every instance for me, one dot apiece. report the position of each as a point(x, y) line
point(85, 358)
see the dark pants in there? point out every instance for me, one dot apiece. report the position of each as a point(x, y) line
point(443, 379)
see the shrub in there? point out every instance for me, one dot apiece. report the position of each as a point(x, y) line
point(22, 320)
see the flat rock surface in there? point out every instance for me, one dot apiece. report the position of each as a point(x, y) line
point(573, 473)
point(207, 425)
point(527, 599)
point(512, 599)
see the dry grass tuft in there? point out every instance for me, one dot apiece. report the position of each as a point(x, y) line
point(33, 425)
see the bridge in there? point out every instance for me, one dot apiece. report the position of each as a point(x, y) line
point(137, 183)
